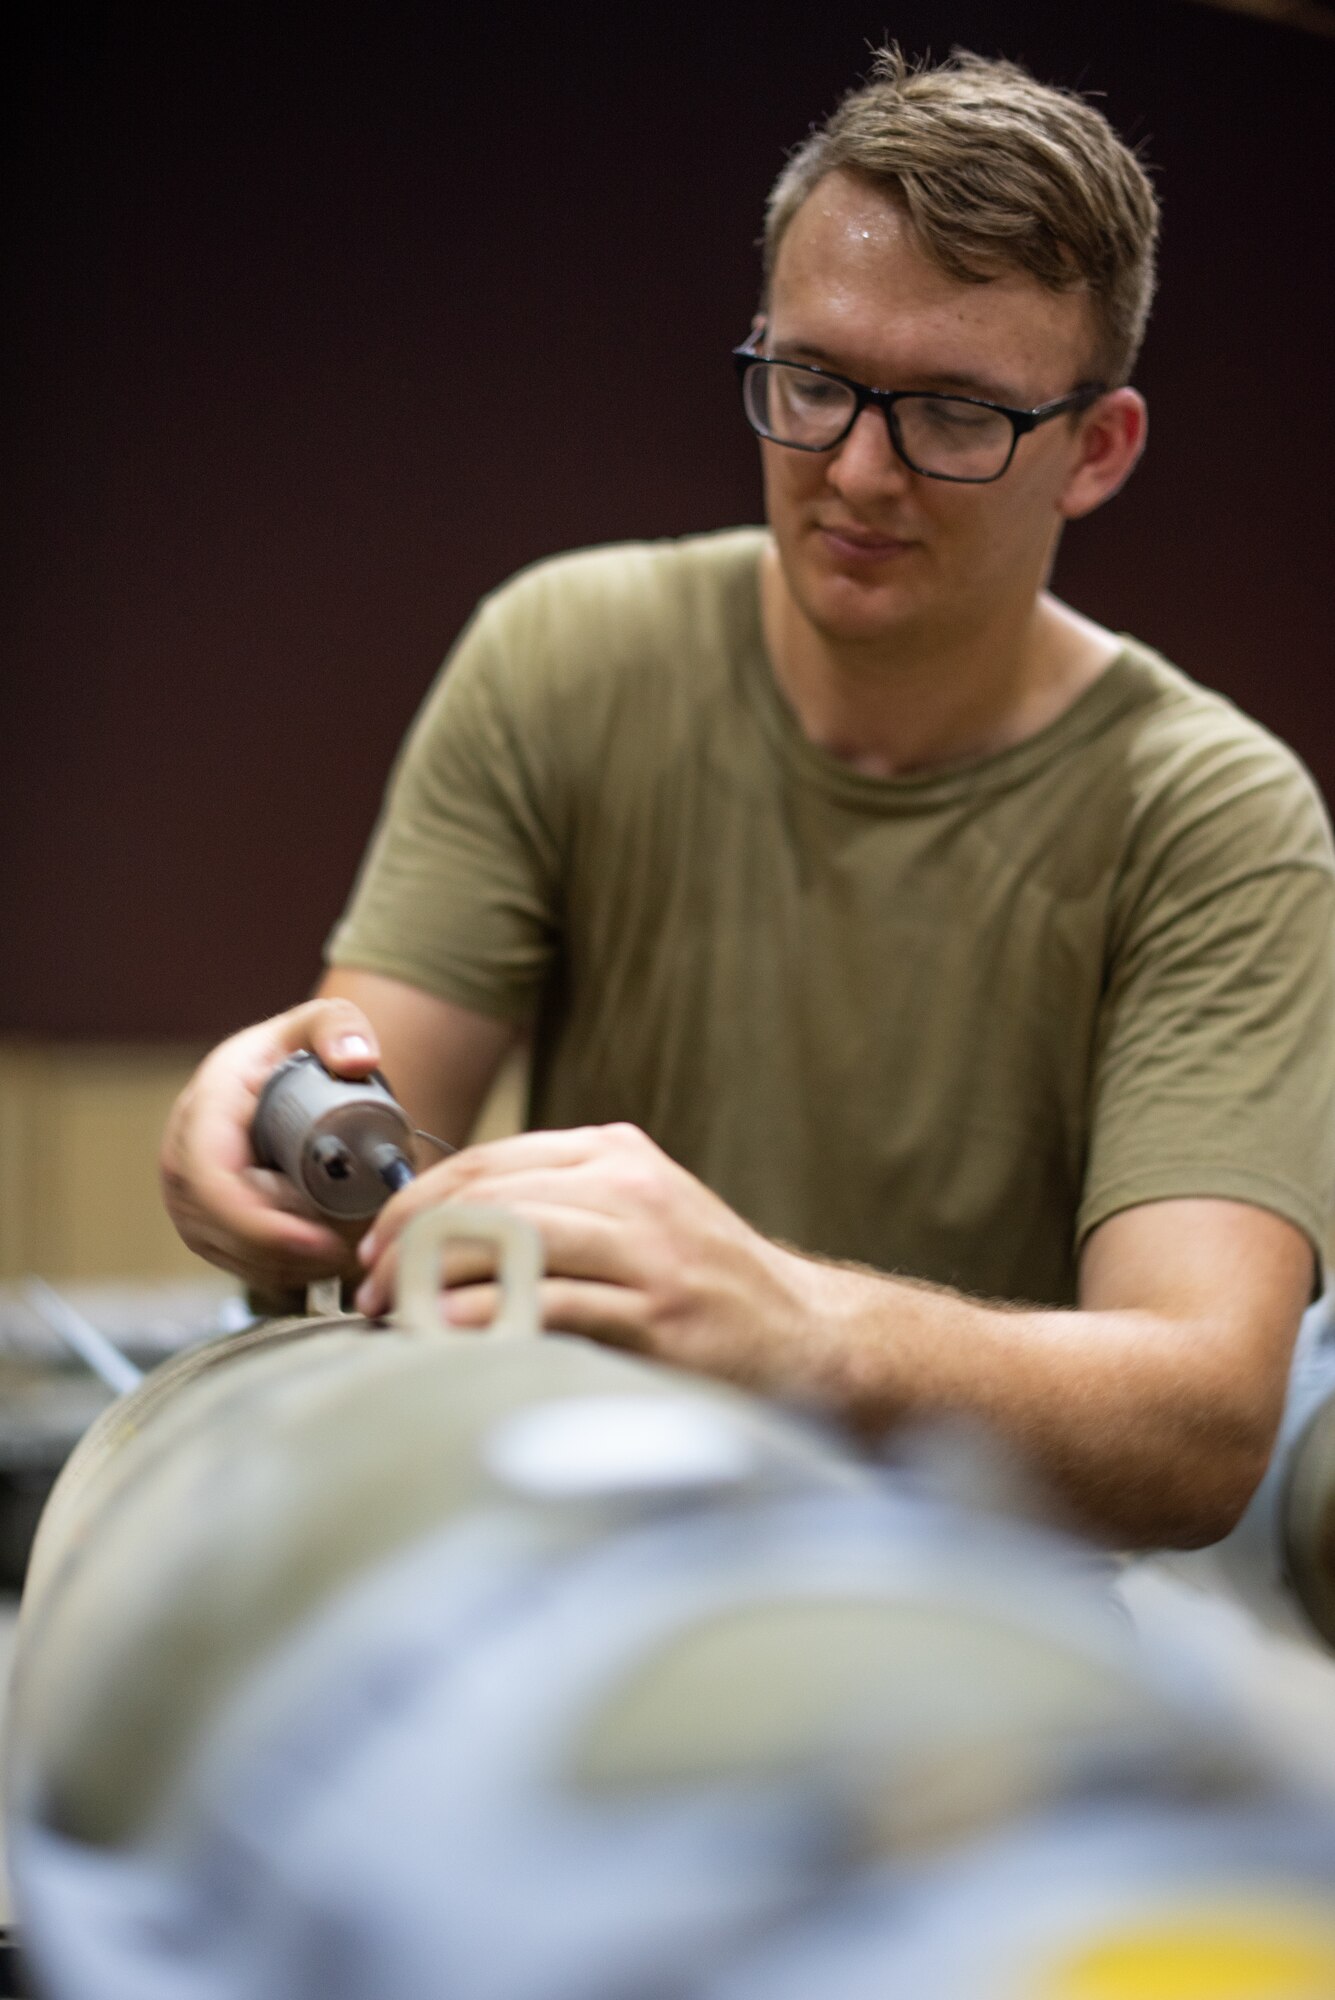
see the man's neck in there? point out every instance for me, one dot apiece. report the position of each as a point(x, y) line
point(931, 699)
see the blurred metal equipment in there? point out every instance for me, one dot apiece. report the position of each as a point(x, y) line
point(1309, 1517)
point(1280, 1559)
point(86, 1340)
point(43, 1414)
point(364, 1661)
point(13, 1980)
point(347, 1146)
point(50, 1390)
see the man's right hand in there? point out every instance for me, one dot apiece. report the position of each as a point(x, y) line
point(226, 1207)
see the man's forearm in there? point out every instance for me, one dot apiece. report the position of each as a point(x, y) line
point(1139, 1428)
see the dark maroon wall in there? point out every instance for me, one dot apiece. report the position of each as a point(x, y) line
point(328, 320)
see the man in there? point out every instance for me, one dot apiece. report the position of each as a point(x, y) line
point(871, 910)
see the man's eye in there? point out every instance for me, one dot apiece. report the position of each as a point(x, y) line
point(813, 394)
point(952, 416)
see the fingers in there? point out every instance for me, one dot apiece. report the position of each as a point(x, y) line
point(609, 1313)
point(577, 1187)
point(534, 1166)
point(277, 1266)
point(527, 1151)
point(227, 1211)
point(576, 1243)
point(230, 1220)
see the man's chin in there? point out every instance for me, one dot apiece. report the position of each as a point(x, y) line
point(851, 613)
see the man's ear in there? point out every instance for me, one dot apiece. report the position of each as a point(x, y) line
point(1112, 437)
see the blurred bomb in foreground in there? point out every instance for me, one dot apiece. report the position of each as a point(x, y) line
point(371, 1662)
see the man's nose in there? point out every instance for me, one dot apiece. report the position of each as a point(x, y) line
point(867, 462)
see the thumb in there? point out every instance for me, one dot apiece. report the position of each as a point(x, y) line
point(336, 1031)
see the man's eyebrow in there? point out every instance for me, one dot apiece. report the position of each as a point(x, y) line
point(941, 378)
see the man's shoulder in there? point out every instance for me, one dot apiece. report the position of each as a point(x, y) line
point(1188, 754)
point(607, 653)
point(572, 645)
point(646, 582)
point(1174, 720)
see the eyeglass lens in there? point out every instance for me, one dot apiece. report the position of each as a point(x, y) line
point(937, 434)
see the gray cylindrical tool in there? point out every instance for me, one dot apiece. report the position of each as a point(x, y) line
point(345, 1144)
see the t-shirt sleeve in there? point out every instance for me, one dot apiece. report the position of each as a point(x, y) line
point(459, 890)
point(1215, 1060)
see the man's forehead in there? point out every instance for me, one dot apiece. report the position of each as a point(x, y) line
point(849, 204)
point(851, 271)
point(850, 230)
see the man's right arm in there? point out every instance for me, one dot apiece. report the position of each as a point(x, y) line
point(440, 1059)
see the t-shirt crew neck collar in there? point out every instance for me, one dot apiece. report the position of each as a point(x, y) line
point(1092, 710)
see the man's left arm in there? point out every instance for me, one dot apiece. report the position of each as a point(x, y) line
point(1149, 1409)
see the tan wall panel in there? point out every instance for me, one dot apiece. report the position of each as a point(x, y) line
point(79, 1133)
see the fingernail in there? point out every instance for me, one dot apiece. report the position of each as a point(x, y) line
point(355, 1047)
point(366, 1299)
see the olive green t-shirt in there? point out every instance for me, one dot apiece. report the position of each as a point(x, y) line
point(943, 1024)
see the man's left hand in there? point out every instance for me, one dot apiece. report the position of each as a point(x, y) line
point(637, 1252)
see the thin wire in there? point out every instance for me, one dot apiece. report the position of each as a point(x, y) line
point(432, 1140)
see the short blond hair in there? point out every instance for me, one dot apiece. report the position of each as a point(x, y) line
point(996, 171)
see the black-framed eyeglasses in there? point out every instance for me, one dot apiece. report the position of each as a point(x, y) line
point(962, 438)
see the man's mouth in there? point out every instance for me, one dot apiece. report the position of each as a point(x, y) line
point(856, 544)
